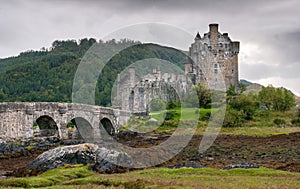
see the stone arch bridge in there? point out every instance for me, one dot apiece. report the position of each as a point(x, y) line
point(17, 119)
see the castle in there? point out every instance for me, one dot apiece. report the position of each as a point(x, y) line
point(212, 59)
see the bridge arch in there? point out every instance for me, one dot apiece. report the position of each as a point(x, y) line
point(47, 126)
point(107, 125)
point(84, 128)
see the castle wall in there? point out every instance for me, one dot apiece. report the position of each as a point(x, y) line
point(214, 57)
point(213, 60)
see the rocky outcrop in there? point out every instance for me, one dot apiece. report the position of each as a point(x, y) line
point(13, 148)
point(22, 147)
point(99, 158)
point(245, 165)
point(189, 164)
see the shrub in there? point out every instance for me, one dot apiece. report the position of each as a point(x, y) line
point(206, 116)
point(171, 115)
point(244, 103)
point(157, 105)
point(173, 105)
point(279, 121)
point(233, 117)
point(296, 122)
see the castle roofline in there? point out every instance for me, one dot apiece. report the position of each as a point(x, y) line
point(198, 36)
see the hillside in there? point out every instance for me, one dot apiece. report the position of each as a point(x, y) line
point(47, 75)
point(251, 87)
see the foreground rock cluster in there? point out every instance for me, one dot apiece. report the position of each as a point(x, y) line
point(99, 158)
point(13, 148)
point(277, 152)
point(20, 147)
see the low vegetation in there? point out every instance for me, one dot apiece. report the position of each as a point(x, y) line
point(246, 114)
point(78, 176)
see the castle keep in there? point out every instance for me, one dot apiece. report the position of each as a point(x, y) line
point(213, 56)
point(212, 59)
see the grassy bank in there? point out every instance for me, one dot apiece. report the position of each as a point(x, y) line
point(262, 123)
point(80, 177)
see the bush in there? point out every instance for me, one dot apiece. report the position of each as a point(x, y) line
point(206, 116)
point(233, 117)
point(173, 105)
point(279, 121)
point(244, 103)
point(171, 115)
point(296, 122)
point(157, 105)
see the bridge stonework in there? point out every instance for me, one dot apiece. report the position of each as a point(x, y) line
point(17, 118)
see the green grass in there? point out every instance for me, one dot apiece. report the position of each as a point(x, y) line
point(187, 113)
point(258, 131)
point(50, 178)
point(262, 123)
point(80, 177)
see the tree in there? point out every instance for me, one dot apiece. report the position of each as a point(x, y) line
point(203, 94)
point(231, 91)
point(2, 95)
point(244, 103)
point(279, 99)
point(266, 96)
point(242, 88)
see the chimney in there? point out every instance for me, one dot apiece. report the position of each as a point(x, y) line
point(236, 47)
point(213, 30)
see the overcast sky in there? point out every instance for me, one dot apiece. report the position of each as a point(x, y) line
point(269, 30)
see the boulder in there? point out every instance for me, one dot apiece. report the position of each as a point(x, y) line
point(99, 158)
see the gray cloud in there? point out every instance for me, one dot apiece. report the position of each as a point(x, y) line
point(269, 30)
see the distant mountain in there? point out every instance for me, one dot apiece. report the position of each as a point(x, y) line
point(251, 87)
point(245, 82)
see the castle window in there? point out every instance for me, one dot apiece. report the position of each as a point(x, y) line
point(215, 68)
point(232, 71)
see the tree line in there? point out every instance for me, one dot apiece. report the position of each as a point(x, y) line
point(47, 75)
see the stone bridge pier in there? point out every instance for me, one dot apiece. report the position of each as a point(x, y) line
point(87, 122)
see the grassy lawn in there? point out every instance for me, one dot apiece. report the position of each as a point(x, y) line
point(78, 176)
point(262, 123)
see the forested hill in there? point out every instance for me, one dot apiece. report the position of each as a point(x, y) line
point(47, 75)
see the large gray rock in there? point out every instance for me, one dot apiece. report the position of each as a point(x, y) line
point(99, 158)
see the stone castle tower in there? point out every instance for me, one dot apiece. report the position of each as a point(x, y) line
point(213, 57)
